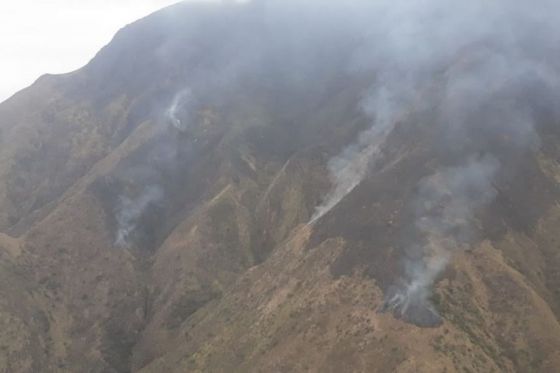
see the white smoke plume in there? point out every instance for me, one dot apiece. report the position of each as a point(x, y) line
point(483, 69)
point(349, 168)
point(468, 66)
point(445, 207)
point(180, 110)
point(479, 48)
point(130, 209)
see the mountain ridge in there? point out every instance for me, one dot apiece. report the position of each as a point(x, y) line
point(163, 208)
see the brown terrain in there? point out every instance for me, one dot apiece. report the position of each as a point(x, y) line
point(221, 271)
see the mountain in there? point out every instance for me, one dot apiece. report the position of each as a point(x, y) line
point(290, 186)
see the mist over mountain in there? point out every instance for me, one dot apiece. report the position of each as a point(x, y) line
point(290, 186)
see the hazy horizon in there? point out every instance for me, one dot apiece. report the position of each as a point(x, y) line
point(59, 36)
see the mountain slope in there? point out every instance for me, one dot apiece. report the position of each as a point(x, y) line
point(270, 187)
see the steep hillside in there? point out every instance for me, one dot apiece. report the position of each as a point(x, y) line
point(288, 187)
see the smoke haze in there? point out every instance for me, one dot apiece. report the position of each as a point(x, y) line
point(479, 67)
point(181, 107)
point(445, 206)
point(130, 209)
point(481, 70)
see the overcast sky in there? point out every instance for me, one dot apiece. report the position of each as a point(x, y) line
point(57, 36)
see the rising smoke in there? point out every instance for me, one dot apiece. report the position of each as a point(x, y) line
point(444, 209)
point(502, 106)
point(472, 49)
point(480, 67)
point(181, 109)
point(129, 211)
point(348, 169)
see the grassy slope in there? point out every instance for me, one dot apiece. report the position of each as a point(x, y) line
point(236, 281)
